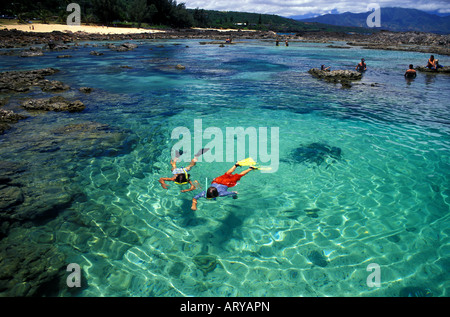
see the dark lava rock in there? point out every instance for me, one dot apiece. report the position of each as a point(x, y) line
point(337, 76)
point(21, 81)
point(123, 47)
point(86, 90)
point(29, 269)
point(53, 86)
point(31, 53)
point(10, 196)
point(56, 103)
point(64, 56)
point(444, 70)
point(95, 53)
point(94, 139)
point(415, 291)
point(8, 116)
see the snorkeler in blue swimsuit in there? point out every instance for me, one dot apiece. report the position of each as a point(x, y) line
point(219, 186)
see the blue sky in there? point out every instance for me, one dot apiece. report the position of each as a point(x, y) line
point(314, 7)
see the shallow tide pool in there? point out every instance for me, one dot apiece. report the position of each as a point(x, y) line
point(362, 175)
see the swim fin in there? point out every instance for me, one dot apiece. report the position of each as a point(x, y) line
point(261, 168)
point(178, 153)
point(247, 162)
point(201, 152)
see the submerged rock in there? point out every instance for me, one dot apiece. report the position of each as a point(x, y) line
point(56, 103)
point(415, 291)
point(53, 86)
point(317, 258)
point(86, 90)
point(30, 269)
point(316, 153)
point(205, 262)
point(8, 116)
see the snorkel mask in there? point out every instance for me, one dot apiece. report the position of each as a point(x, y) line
point(186, 178)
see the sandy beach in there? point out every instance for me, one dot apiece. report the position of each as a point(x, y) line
point(46, 28)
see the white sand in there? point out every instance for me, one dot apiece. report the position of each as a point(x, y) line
point(38, 27)
point(44, 28)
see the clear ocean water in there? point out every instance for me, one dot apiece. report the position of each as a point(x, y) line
point(310, 229)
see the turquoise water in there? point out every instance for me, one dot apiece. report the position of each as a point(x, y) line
point(309, 229)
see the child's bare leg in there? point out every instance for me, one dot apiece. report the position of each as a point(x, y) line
point(231, 170)
point(173, 162)
point(192, 164)
point(246, 171)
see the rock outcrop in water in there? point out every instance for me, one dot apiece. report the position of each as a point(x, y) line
point(22, 81)
point(444, 70)
point(336, 76)
point(56, 103)
point(122, 47)
point(7, 117)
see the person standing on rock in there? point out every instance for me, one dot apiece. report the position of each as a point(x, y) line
point(361, 67)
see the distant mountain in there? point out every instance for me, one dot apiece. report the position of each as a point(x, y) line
point(393, 19)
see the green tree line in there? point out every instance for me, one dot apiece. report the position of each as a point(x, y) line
point(154, 13)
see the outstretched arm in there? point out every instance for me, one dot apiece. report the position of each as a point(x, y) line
point(190, 189)
point(194, 204)
point(163, 180)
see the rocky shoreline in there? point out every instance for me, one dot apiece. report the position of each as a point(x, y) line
point(384, 40)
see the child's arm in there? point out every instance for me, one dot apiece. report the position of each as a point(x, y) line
point(163, 180)
point(194, 200)
point(190, 189)
point(194, 204)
